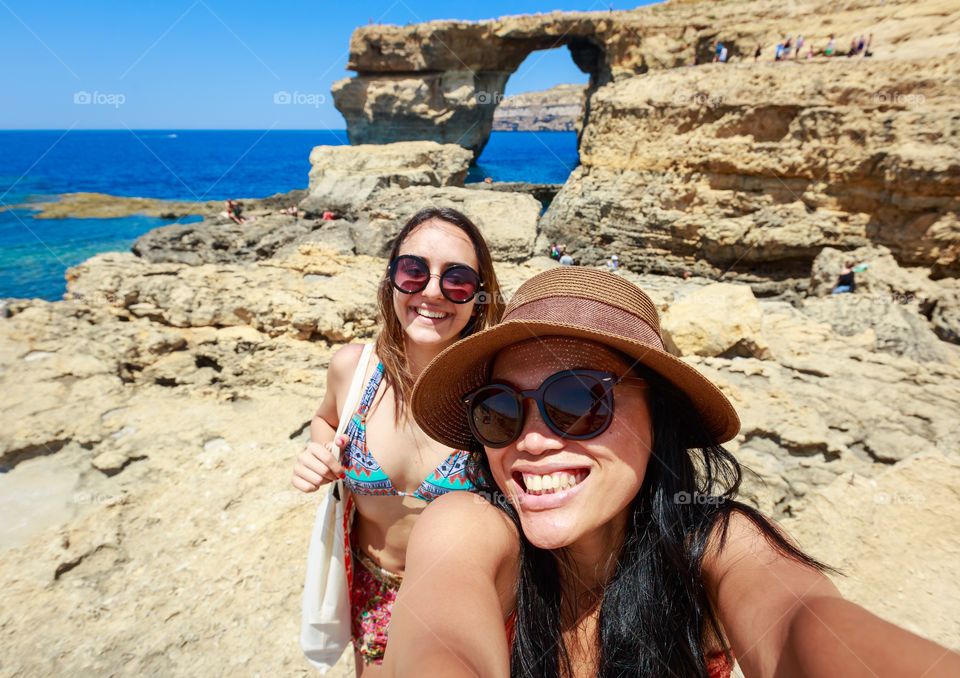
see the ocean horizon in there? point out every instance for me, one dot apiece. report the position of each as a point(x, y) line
point(182, 164)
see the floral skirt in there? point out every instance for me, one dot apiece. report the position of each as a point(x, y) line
point(372, 594)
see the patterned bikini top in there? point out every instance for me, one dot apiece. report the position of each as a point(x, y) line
point(364, 475)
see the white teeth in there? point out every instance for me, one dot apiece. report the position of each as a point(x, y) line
point(430, 314)
point(550, 483)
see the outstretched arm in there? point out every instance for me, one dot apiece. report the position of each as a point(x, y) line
point(458, 589)
point(784, 619)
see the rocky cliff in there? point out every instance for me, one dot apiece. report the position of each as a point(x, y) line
point(442, 80)
point(150, 419)
point(733, 168)
point(558, 109)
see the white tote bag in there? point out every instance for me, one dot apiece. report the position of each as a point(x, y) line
point(325, 625)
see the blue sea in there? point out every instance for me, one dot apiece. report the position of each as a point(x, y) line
point(183, 165)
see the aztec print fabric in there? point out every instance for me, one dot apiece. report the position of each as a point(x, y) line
point(364, 475)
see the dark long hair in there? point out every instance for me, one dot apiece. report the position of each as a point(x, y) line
point(488, 303)
point(655, 613)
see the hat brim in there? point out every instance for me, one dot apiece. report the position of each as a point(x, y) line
point(437, 398)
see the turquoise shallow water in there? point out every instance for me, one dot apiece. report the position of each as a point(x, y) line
point(182, 165)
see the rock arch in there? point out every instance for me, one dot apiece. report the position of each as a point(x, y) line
point(442, 80)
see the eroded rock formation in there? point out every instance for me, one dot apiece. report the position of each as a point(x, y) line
point(754, 168)
point(442, 80)
point(558, 109)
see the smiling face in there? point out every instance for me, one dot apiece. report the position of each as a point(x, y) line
point(599, 477)
point(427, 317)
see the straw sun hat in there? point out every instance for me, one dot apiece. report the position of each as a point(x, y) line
point(566, 301)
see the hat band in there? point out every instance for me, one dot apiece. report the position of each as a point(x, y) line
point(589, 314)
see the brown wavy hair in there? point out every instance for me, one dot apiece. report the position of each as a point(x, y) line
point(488, 303)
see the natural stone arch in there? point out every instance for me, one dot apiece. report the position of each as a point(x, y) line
point(441, 81)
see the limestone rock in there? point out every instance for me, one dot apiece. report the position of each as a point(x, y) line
point(945, 316)
point(557, 109)
point(442, 80)
point(344, 177)
point(441, 107)
point(738, 168)
point(216, 405)
point(508, 221)
point(284, 296)
point(894, 326)
point(220, 240)
point(893, 533)
point(882, 277)
point(717, 320)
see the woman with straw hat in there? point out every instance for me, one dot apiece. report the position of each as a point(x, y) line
point(609, 541)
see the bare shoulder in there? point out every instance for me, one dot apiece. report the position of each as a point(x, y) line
point(469, 519)
point(345, 359)
point(739, 541)
point(744, 559)
point(342, 366)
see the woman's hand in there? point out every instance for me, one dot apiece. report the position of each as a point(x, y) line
point(319, 464)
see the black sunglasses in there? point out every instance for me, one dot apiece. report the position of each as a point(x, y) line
point(411, 274)
point(574, 404)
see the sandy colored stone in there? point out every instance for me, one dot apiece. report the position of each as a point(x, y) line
point(719, 319)
point(344, 177)
point(752, 169)
point(508, 221)
point(442, 80)
point(557, 109)
point(894, 538)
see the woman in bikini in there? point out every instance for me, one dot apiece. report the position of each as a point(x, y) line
point(439, 286)
point(613, 544)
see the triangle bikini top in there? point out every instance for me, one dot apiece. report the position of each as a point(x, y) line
point(364, 475)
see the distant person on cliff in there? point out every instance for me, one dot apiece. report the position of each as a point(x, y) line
point(866, 50)
point(557, 251)
point(786, 47)
point(235, 211)
point(796, 53)
point(613, 263)
point(756, 55)
point(566, 260)
point(439, 286)
point(845, 282)
point(723, 55)
point(716, 55)
point(779, 53)
point(830, 46)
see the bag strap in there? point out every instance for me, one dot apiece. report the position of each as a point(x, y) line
point(353, 397)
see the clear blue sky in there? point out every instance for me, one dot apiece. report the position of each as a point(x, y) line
point(213, 64)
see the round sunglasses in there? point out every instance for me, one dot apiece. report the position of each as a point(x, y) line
point(411, 274)
point(574, 404)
